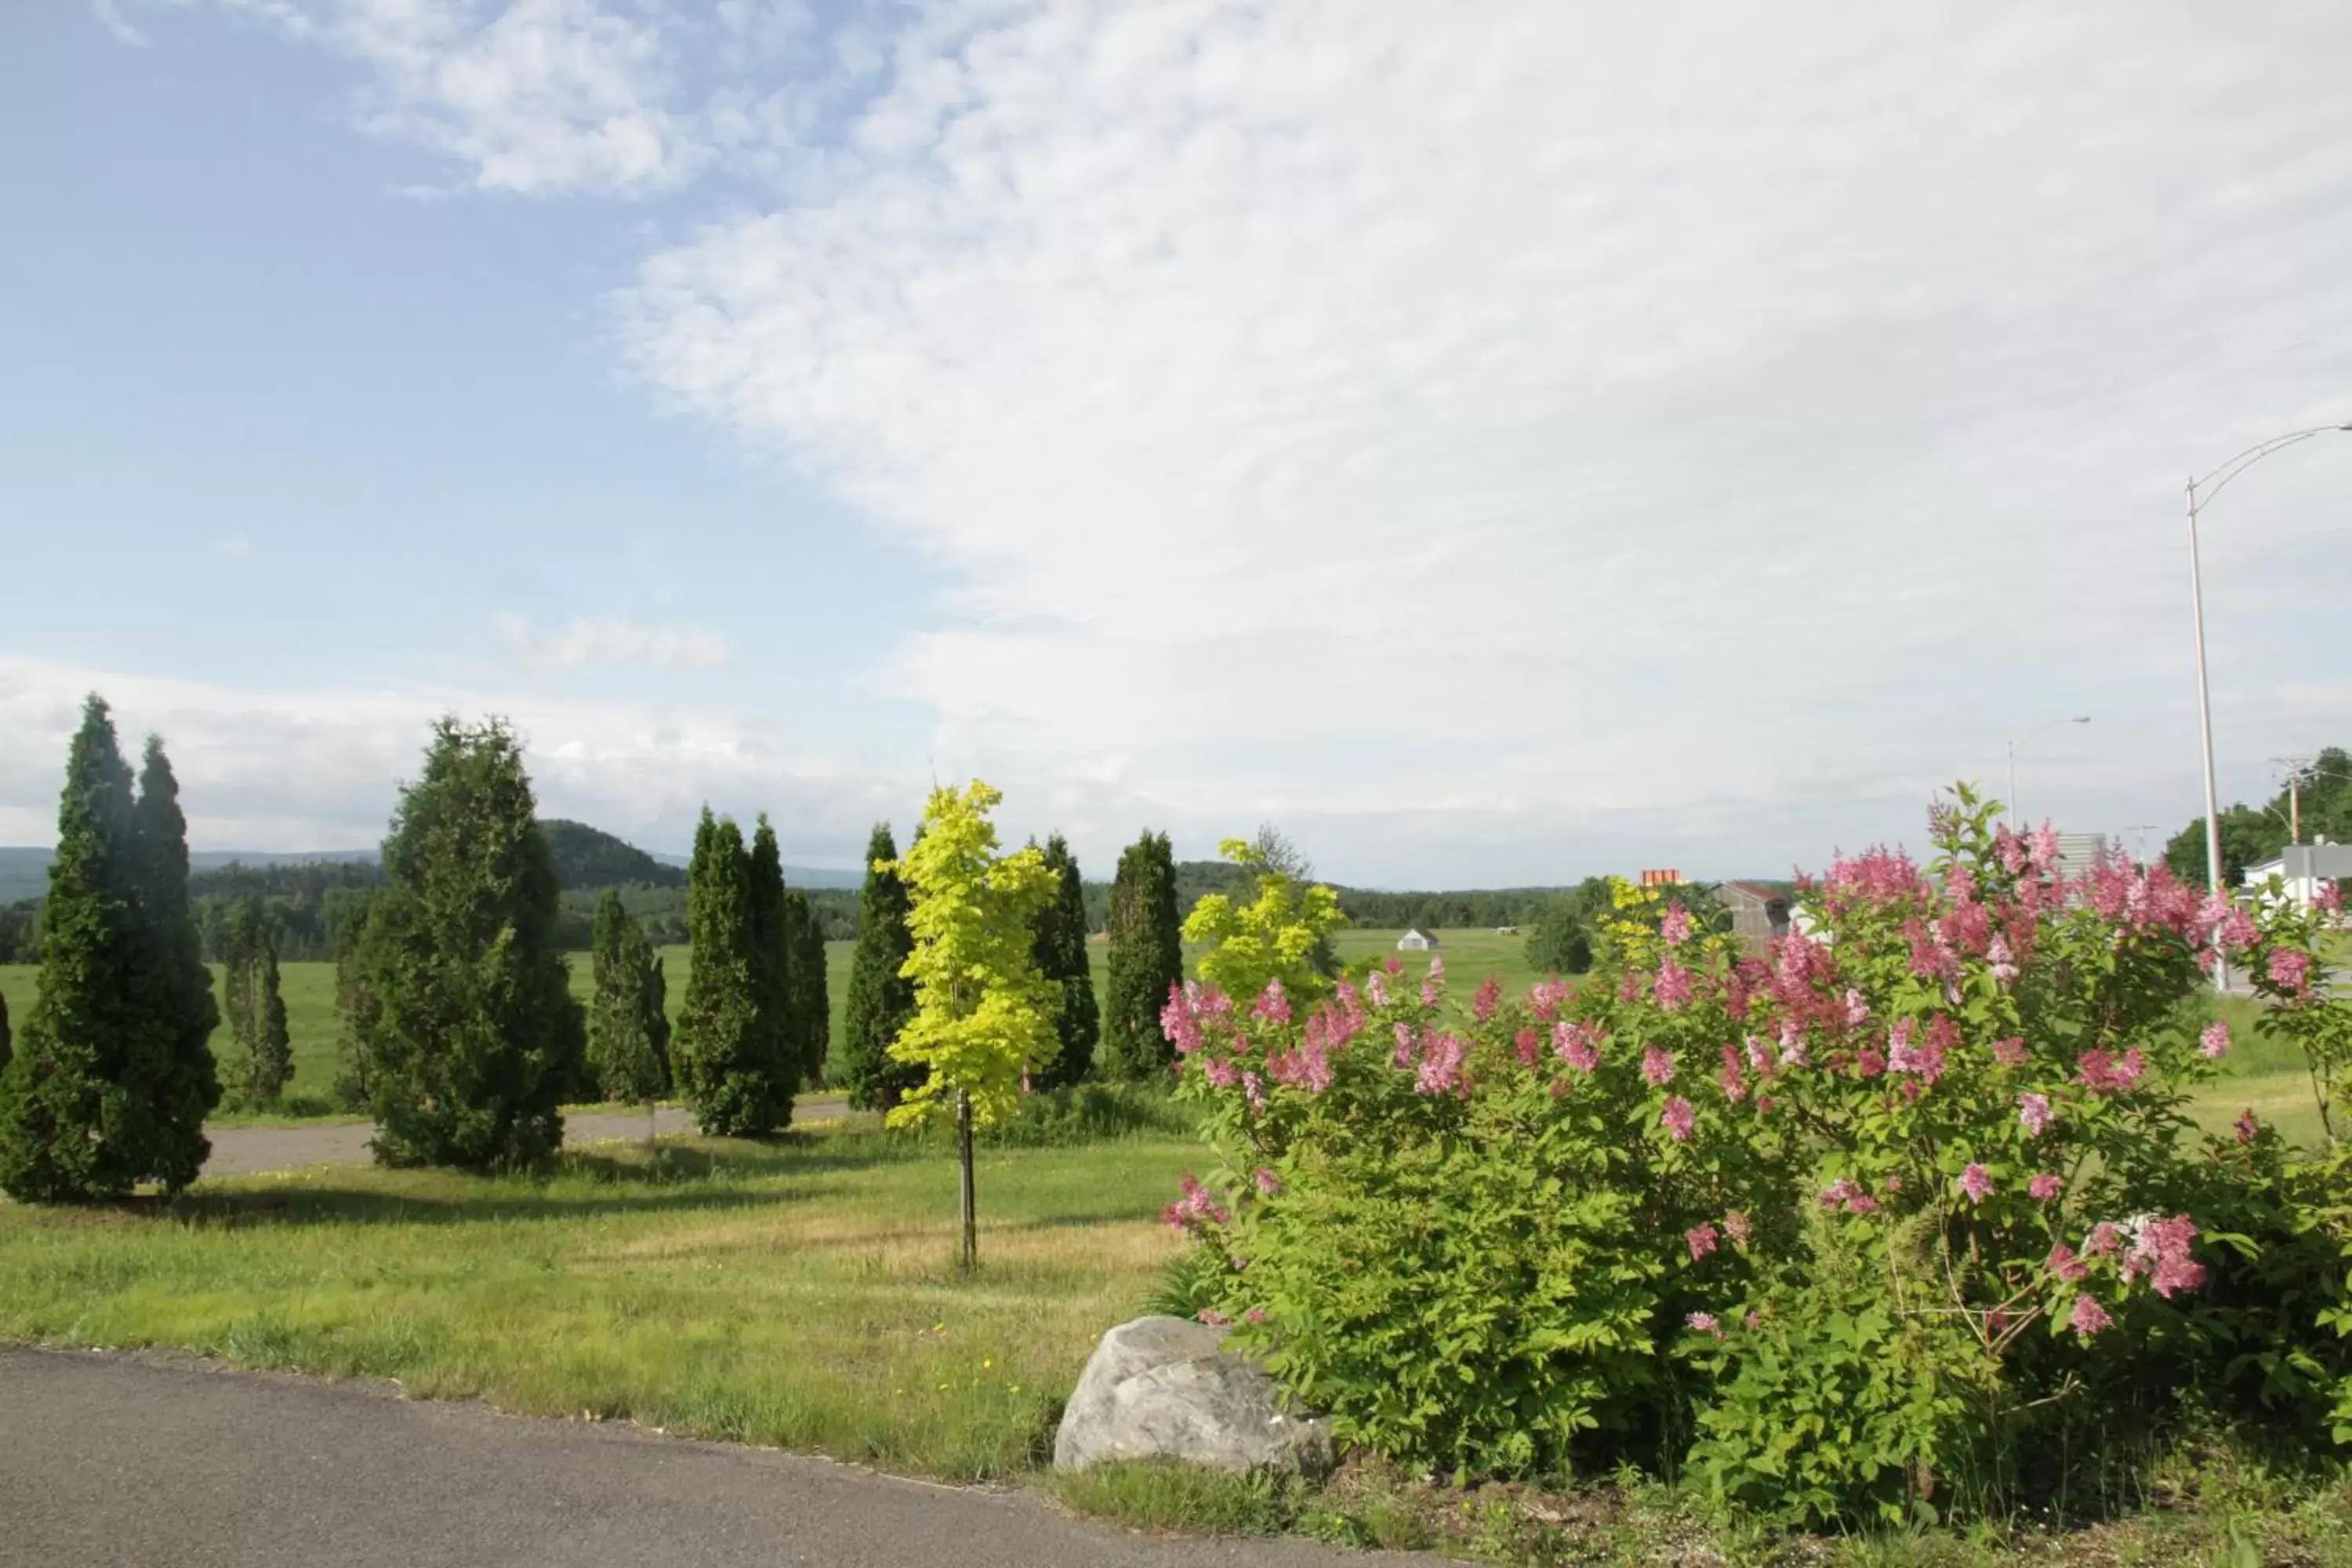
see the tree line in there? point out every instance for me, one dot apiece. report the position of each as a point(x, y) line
point(2319, 793)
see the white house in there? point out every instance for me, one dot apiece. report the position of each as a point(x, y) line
point(2299, 869)
point(1415, 941)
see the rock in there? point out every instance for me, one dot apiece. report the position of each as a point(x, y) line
point(1164, 1388)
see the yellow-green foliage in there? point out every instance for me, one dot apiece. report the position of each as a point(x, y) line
point(1272, 937)
point(983, 1015)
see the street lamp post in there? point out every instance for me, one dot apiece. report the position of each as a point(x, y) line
point(2209, 486)
point(2078, 719)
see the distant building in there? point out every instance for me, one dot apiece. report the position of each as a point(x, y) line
point(1415, 941)
point(1758, 913)
point(1506, 930)
point(1668, 878)
point(2078, 852)
point(2300, 869)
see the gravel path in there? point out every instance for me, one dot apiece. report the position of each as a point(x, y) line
point(134, 1460)
point(241, 1150)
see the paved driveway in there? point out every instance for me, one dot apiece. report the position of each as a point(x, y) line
point(132, 1461)
point(241, 1150)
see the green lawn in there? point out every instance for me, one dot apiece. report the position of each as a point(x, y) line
point(801, 1294)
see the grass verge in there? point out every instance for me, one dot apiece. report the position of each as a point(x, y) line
point(800, 1294)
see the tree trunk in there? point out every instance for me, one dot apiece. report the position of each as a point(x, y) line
point(964, 1158)
point(652, 1128)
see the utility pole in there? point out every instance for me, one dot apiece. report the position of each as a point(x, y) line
point(2139, 832)
point(2295, 768)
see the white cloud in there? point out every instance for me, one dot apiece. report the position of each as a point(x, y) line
point(612, 639)
point(1510, 435)
point(1373, 411)
point(291, 769)
point(533, 97)
point(235, 547)
point(110, 17)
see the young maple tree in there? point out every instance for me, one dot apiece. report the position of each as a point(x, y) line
point(983, 1015)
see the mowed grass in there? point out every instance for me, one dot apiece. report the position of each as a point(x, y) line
point(801, 1294)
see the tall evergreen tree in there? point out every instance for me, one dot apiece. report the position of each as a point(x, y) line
point(724, 1062)
point(182, 1083)
point(771, 963)
point(469, 1035)
point(811, 1009)
point(1146, 957)
point(1061, 958)
point(881, 998)
point(356, 1006)
point(628, 1032)
point(110, 1084)
point(257, 1007)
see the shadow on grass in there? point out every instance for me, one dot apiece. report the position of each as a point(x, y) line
point(700, 1177)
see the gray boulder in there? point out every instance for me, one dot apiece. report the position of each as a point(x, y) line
point(1165, 1388)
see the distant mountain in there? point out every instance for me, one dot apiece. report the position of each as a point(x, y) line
point(25, 870)
point(589, 856)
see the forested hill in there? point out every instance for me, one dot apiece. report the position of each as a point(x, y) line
point(589, 856)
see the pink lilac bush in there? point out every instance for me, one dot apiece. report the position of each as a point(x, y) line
point(1968, 1077)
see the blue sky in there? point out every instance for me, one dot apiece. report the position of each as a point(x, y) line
point(1495, 452)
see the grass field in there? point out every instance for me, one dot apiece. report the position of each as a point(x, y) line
point(802, 1295)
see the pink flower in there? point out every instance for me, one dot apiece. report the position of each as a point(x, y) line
point(1267, 1182)
point(2290, 970)
point(1274, 1006)
point(1976, 1183)
point(1793, 1053)
point(2214, 1042)
point(1440, 1066)
point(1437, 967)
point(2033, 1111)
point(1376, 986)
point(1213, 1318)
point(1394, 964)
point(2063, 1263)
point(1577, 1044)
point(1220, 1074)
point(1847, 1191)
point(2088, 1317)
point(2004, 964)
point(2248, 1128)
point(1658, 1067)
point(1181, 1022)
point(1254, 1087)
point(1856, 1009)
point(1679, 1119)
point(1760, 1056)
point(2044, 850)
point(2104, 1240)
point(1754, 1320)
point(1196, 1210)
point(2160, 1248)
point(2329, 899)
point(1735, 1226)
point(2008, 1053)
point(1528, 1046)
point(1731, 1079)
point(1675, 928)
point(2044, 1186)
point(1672, 988)
point(1407, 1049)
point(1255, 1315)
point(1869, 1061)
point(1700, 1238)
point(1705, 1323)
point(1490, 993)
point(1429, 993)
point(2103, 1072)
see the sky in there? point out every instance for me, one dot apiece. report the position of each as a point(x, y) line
point(1496, 444)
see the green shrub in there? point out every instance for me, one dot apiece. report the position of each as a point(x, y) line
point(1863, 1230)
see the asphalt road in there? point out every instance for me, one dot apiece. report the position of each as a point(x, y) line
point(241, 1150)
point(133, 1460)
